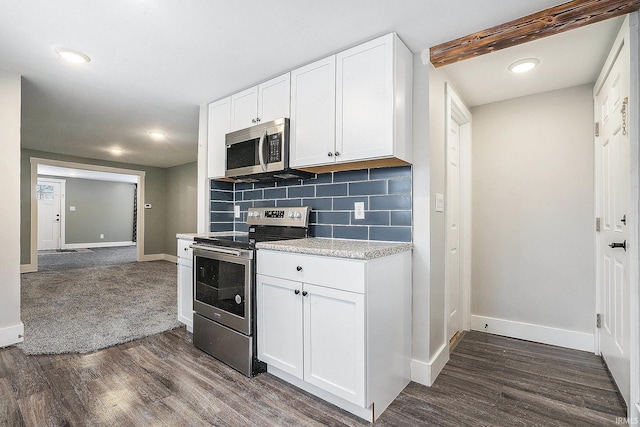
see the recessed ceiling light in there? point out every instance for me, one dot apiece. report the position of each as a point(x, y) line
point(71, 55)
point(523, 65)
point(157, 135)
point(116, 151)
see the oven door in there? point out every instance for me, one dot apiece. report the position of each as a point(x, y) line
point(222, 283)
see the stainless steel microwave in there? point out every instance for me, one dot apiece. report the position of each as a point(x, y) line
point(260, 153)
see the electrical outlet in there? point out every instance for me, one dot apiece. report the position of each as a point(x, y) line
point(236, 211)
point(358, 210)
point(102, 236)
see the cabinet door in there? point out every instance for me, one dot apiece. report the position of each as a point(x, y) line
point(185, 293)
point(334, 351)
point(364, 104)
point(279, 320)
point(244, 109)
point(313, 113)
point(219, 125)
point(274, 98)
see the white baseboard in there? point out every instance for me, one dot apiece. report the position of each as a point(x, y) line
point(160, 257)
point(11, 335)
point(537, 333)
point(97, 245)
point(426, 373)
point(28, 268)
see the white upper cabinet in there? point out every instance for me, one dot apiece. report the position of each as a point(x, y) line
point(313, 112)
point(373, 101)
point(218, 126)
point(262, 103)
point(360, 112)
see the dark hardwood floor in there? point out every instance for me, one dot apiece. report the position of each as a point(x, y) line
point(163, 380)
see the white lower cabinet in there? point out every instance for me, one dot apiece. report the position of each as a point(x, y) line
point(337, 328)
point(185, 283)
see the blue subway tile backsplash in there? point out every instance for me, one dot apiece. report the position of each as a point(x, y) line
point(385, 192)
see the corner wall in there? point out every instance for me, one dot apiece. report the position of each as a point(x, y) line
point(11, 328)
point(181, 202)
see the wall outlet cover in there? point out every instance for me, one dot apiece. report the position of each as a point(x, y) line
point(102, 236)
point(147, 205)
point(236, 211)
point(72, 208)
point(358, 210)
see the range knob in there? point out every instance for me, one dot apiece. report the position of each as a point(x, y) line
point(253, 214)
point(295, 214)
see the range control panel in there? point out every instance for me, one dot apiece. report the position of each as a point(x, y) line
point(290, 217)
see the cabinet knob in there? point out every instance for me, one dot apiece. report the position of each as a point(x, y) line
point(305, 293)
point(253, 120)
point(299, 268)
point(258, 119)
point(297, 291)
point(330, 154)
point(337, 153)
point(186, 249)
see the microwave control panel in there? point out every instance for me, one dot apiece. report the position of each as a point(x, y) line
point(275, 148)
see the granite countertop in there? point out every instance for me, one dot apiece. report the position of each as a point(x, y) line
point(339, 248)
point(191, 236)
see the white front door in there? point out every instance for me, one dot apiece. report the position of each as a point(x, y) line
point(48, 195)
point(613, 207)
point(453, 227)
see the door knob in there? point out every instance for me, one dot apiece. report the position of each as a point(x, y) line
point(624, 219)
point(622, 245)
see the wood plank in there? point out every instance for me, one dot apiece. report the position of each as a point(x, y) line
point(555, 20)
point(164, 380)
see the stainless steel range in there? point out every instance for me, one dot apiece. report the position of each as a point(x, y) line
point(224, 285)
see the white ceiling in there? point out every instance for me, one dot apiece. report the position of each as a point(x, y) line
point(568, 59)
point(153, 62)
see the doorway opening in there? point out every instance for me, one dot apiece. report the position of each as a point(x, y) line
point(124, 240)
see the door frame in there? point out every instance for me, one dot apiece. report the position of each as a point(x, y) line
point(62, 183)
point(456, 110)
point(35, 161)
point(634, 236)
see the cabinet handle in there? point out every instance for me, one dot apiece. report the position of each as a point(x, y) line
point(186, 249)
point(330, 154)
point(299, 268)
point(305, 293)
point(258, 120)
point(337, 153)
point(253, 120)
point(297, 291)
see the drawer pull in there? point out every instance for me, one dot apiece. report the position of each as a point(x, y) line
point(299, 268)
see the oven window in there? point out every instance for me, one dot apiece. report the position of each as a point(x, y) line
point(220, 284)
point(243, 154)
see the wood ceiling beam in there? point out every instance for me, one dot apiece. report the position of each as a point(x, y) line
point(548, 22)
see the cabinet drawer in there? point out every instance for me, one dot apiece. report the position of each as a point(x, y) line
point(184, 249)
point(337, 273)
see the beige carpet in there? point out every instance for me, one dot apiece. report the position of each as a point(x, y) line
point(81, 310)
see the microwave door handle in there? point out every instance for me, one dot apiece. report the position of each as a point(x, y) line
point(260, 151)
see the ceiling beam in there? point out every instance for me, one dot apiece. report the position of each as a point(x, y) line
point(548, 22)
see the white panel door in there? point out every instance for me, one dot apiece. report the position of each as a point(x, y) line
point(274, 98)
point(364, 100)
point(313, 113)
point(48, 195)
point(614, 209)
point(453, 228)
point(279, 321)
point(334, 349)
point(244, 108)
point(219, 125)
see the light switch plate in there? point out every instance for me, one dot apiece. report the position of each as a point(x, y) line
point(358, 210)
point(439, 202)
point(72, 208)
point(236, 211)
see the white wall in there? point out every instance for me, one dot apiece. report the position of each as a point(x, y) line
point(11, 329)
point(533, 217)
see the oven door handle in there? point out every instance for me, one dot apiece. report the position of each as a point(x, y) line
point(235, 252)
point(260, 151)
